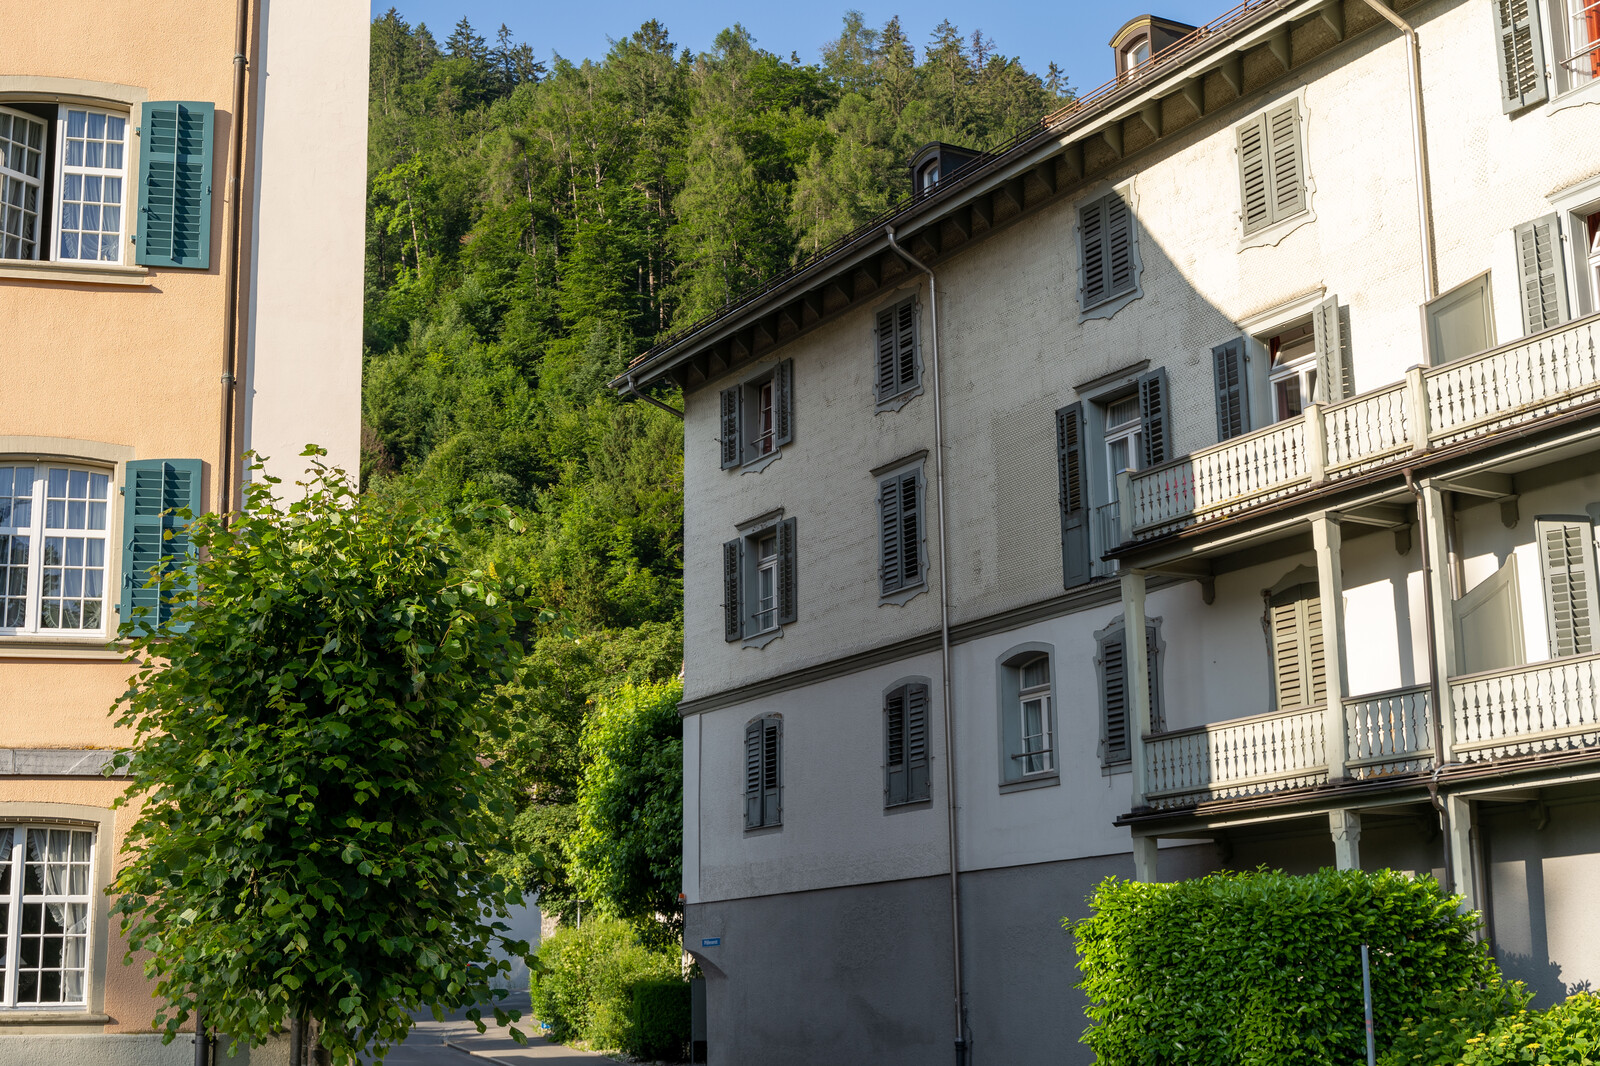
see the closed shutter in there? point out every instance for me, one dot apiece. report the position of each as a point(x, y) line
point(916, 742)
point(752, 774)
point(1286, 161)
point(771, 772)
point(1540, 275)
point(786, 572)
point(897, 350)
point(783, 403)
point(900, 532)
point(1092, 229)
point(1119, 247)
point(1255, 196)
point(1521, 54)
point(1114, 698)
point(1155, 428)
point(1566, 553)
point(731, 402)
point(1233, 398)
point(1333, 356)
point(732, 592)
point(174, 206)
point(1075, 560)
point(894, 747)
point(154, 489)
point(1299, 662)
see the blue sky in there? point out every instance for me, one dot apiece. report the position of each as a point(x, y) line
point(1073, 34)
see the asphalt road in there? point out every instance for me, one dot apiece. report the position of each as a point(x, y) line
point(456, 1042)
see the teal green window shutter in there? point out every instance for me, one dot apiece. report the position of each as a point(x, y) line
point(1153, 416)
point(153, 490)
point(1233, 389)
point(174, 209)
point(1074, 495)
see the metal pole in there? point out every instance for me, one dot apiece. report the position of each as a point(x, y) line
point(297, 1036)
point(1366, 1000)
point(201, 1044)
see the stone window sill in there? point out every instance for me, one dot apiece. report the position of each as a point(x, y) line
point(80, 650)
point(51, 1017)
point(73, 273)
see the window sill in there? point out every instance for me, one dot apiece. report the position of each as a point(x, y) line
point(1275, 234)
point(922, 804)
point(903, 597)
point(760, 463)
point(761, 640)
point(1027, 783)
point(898, 400)
point(73, 273)
point(81, 650)
point(31, 1018)
point(1113, 769)
point(1587, 93)
point(1109, 307)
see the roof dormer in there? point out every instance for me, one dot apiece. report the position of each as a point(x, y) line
point(1141, 38)
point(935, 161)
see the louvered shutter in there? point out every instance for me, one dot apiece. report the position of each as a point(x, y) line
point(1092, 229)
point(905, 328)
point(1114, 698)
point(1255, 196)
point(730, 427)
point(732, 592)
point(771, 772)
point(1333, 358)
point(174, 206)
point(916, 742)
point(752, 774)
point(1567, 555)
point(1119, 246)
point(889, 535)
point(1075, 560)
point(910, 530)
point(894, 747)
point(1155, 425)
point(1540, 275)
point(1233, 397)
point(888, 354)
point(900, 532)
point(155, 488)
point(786, 572)
point(1521, 48)
point(1158, 717)
point(1299, 663)
point(1285, 159)
point(783, 403)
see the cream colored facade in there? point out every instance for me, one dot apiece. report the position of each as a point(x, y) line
point(108, 362)
point(1460, 675)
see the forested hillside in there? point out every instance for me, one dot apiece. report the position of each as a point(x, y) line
point(532, 227)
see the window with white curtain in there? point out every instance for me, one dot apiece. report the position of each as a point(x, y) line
point(53, 522)
point(46, 877)
point(63, 183)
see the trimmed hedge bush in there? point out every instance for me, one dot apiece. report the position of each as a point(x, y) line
point(1438, 1035)
point(583, 982)
point(1246, 968)
point(660, 1020)
point(1567, 1034)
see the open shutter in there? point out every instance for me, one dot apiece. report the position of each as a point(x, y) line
point(1285, 160)
point(1114, 698)
point(910, 530)
point(1540, 276)
point(1154, 431)
point(783, 403)
point(786, 571)
point(1521, 45)
point(1233, 398)
point(154, 488)
point(732, 593)
point(1566, 553)
point(771, 771)
point(894, 747)
point(905, 327)
point(888, 355)
point(1489, 622)
point(174, 207)
point(890, 549)
point(1158, 717)
point(752, 774)
point(1092, 231)
point(1119, 246)
point(917, 742)
point(730, 427)
point(1075, 561)
point(1333, 361)
point(1254, 195)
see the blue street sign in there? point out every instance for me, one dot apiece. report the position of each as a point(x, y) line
point(711, 942)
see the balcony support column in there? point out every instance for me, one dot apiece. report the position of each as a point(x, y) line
point(1458, 816)
point(1346, 829)
point(1327, 537)
point(1441, 594)
point(1144, 859)
point(1136, 663)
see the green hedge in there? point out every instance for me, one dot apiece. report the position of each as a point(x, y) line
point(1567, 1034)
point(660, 1020)
point(584, 980)
point(1237, 969)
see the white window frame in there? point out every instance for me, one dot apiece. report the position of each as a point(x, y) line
point(762, 425)
point(764, 589)
point(1039, 694)
point(37, 184)
point(1302, 372)
point(1129, 432)
point(17, 898)
point(1567, 59)
point(1580, 258)
point(38, 530)
point(47, 246)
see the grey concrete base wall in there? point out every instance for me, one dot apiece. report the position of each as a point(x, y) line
point(138, 1049)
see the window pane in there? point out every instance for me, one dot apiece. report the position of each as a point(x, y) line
point(76, 121)
point(97, 126)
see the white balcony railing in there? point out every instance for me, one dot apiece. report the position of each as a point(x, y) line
point(1242, 757)
point(1435, 406)
point(1388, 733)
point(1108, 534)
point(1525, 710)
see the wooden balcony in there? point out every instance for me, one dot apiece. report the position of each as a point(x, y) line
point(1433, 407)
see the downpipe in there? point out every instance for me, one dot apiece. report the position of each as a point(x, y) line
point(944, 646)
point(651, 400)
point(232, 327)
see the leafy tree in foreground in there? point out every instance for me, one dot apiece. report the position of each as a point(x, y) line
point(316, 826)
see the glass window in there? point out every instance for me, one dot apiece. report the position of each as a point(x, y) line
point(1293, 376)
point(1592, 235)
point(45, 879)
point(53, 549)
point(22, 145)
point(1581, 29)
point(1034, 706)
point(766, 612)
point(73, 161)
point(763, 427)
point(1123, 430)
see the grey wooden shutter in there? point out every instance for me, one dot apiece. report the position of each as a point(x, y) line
point(888, 355)
point(1333, 357)
point(1233, 397)
point(1286, 162)
point(786, 572)
point(1155, 429)
point(1299, 665)
point(1119, 246)
point(889, 527)
point(905, 327)
point(1075, 561)
point(732, 591)
point(1092, 231)
point(771, 772)
point(1115, 745)
point(783, 403)
point(752, 773)
point(731, 402)
point(900, 532)
point(151, 529)
point(916, 742)
point(1254, 194)
point(894, 747)
point(1540, 275)
point(1567, 556)
point(1521, 48)
point(1158, 717)
point(174, 193)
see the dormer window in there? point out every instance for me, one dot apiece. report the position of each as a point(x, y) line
point(1136, 54)
point(928, 176)
point(935, 161)
point(1142, 38)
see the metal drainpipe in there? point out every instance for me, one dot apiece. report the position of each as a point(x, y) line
point(1435, 689)
point(230, 260)
point(944, 644)
point(1419, 148)
point(651, 399)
